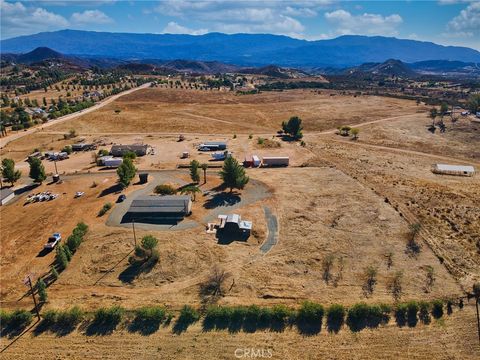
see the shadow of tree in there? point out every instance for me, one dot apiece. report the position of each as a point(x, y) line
point(117, 188)
point(222, 199)
point(135, 270)
point(144, 327)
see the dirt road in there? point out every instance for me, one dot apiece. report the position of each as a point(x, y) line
point(9, 138)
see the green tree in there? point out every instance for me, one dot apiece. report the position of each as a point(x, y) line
point(192, 190)
point(204, 167)
point(8, 171)
point(473, 103)
point(233, 174)
point(42, 290)
point(129, 155)
point(54, 272)
point(149, 243)
point(126, 172)
point(37, 171)
point(293, 127)
point(354, 132)
point(443, 109)
point(433, 114)
point(194, 173)
point(61, 258)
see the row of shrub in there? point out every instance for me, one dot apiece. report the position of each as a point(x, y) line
point(15, 321)
point(308, 318)
point(64, 252)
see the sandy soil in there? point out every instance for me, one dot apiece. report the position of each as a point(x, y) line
point(187, 111)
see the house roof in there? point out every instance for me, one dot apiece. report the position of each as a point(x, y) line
point(462, 168)
point(129, 147)
point(160, 204)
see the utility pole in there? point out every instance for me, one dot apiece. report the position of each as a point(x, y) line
point(477, 300)
point(55, 162)
point(29, 281)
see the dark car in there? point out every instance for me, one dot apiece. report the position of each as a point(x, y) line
point(121, 198)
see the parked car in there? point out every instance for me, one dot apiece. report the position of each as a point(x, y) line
point(79, 193)
point(121, 198)
point(53, 241)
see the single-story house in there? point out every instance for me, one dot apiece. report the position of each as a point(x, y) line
point(160, 208)
point(6, 195)
point(459, 170)
point(233, 223)
point(120, 150)
point(214, 145)
point(82, 147)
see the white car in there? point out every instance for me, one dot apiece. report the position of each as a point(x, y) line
point(53, 241)
point(79, 193)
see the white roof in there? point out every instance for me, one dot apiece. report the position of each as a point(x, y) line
point(445, 167)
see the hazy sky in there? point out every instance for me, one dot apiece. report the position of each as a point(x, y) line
point(450, 22)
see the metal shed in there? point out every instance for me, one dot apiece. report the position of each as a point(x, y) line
point(172, 207)
point(459, 170)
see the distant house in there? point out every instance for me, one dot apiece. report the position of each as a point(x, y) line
point(213, 145)
point(170, 208)
point(120, 150)
point(459, 170)
point(82, 147)
point(6, 195)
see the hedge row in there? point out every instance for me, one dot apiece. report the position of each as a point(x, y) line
point(65, 252)
point(13, 323)
point(308, 318)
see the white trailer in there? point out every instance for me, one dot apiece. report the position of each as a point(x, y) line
point(272, 161)
point(221, 155)
point(113, 162)
point(256, 161)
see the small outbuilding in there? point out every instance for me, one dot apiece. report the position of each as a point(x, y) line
point(143, 176)
point(6, 195)
point(157, 208)
point(458, 170)
point(120, 150)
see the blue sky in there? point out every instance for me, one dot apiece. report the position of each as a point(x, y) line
point(449, 22)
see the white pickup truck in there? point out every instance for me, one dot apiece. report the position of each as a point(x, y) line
point(52, 241)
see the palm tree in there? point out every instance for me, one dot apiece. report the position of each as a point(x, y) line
point(192, 190)
point(204, 167)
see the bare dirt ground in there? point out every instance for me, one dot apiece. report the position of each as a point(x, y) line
point(188, 111)
point(451, 338)
point(349, 200)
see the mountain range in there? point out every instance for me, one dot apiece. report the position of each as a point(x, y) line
point(43, 56)
point(240, 49)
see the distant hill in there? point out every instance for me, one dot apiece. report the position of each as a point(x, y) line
point(241, 49)
point(39, 54)
point(275, 71)
point(390, 67)
point(393, 67)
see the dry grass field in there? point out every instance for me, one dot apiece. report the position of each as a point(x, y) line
point(348, 201)
point(161, 110)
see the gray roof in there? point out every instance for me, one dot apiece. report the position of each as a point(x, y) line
point(129, 147)
point(160, 204)
point(4, 193)
point(461, 168)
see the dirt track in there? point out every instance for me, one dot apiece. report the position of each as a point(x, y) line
point(9, 138)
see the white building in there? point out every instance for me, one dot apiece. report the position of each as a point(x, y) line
point(459, 170)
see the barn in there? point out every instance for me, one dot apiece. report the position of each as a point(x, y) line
point(170, 208)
